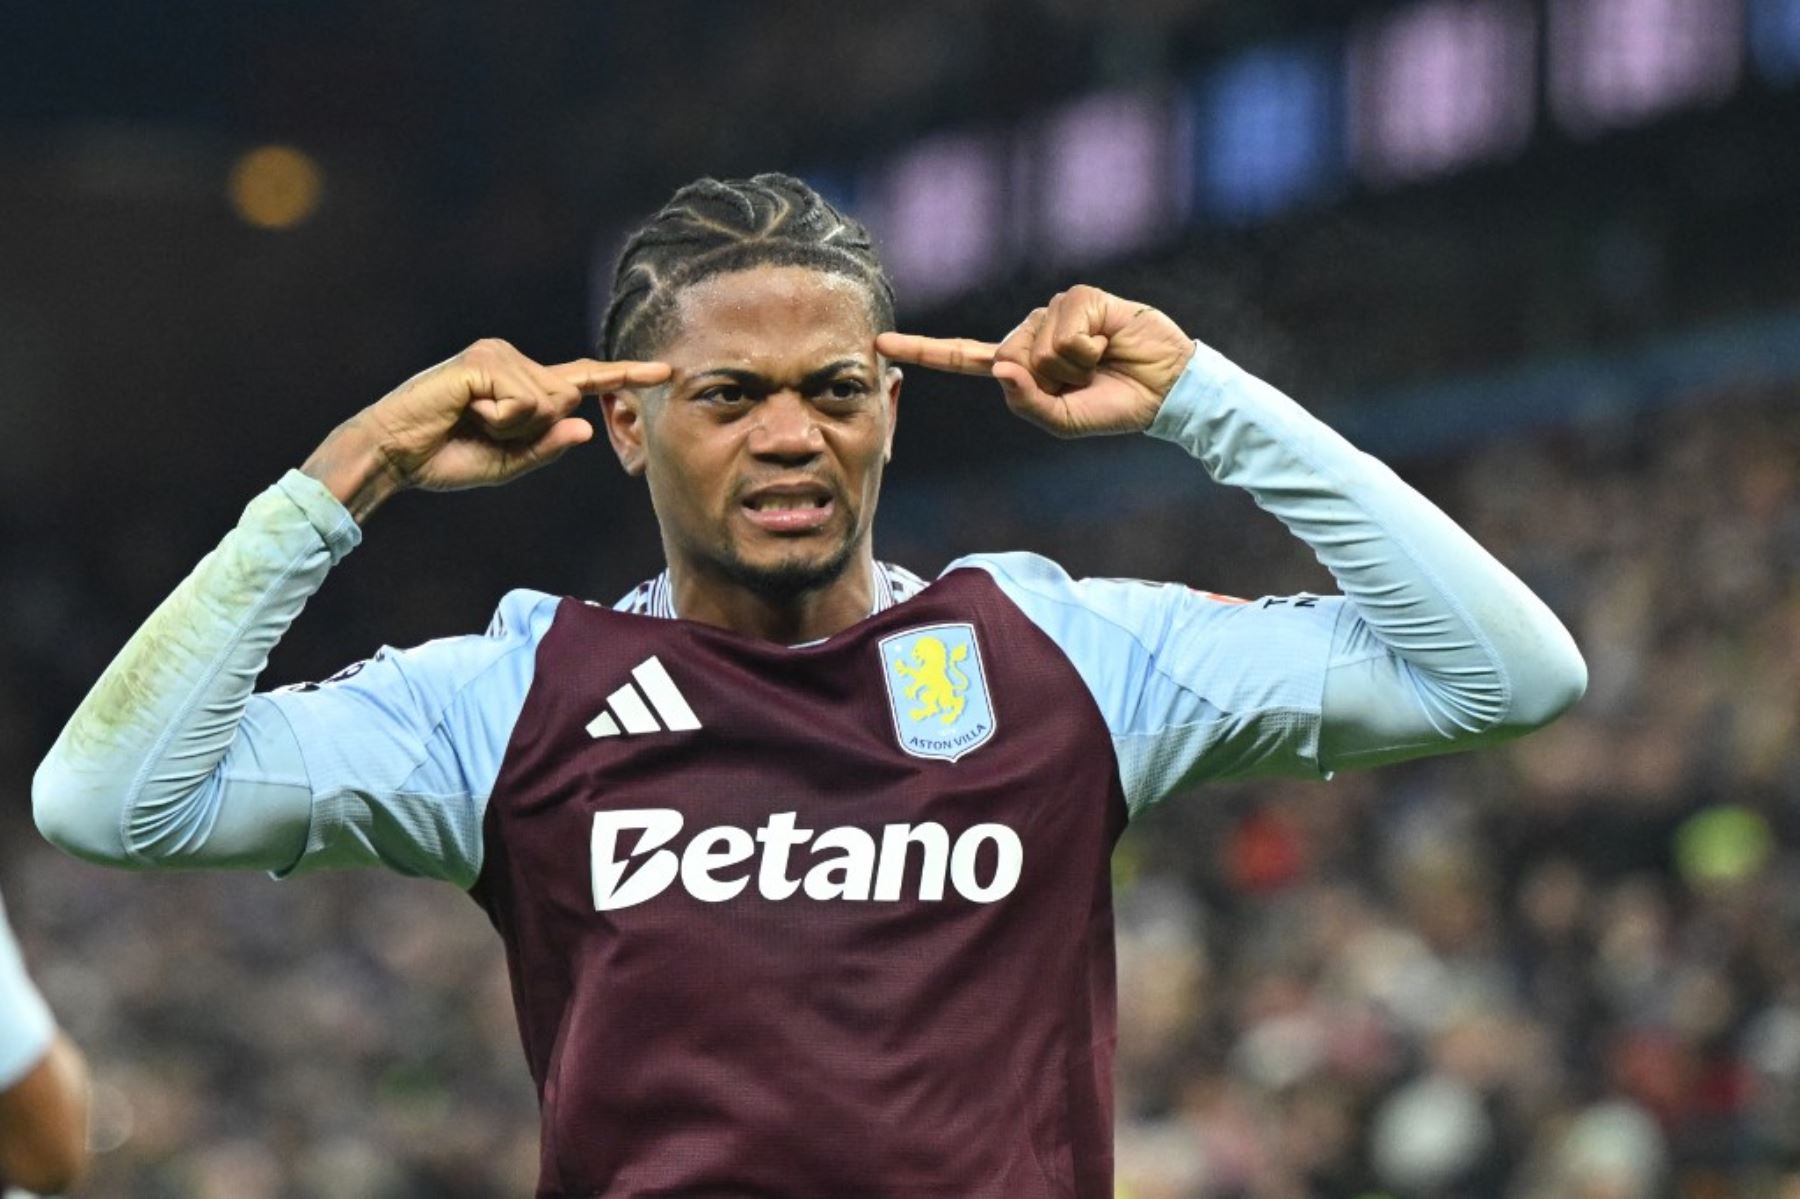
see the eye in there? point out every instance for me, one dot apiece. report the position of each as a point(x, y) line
point(846, 389)
point(725, 394)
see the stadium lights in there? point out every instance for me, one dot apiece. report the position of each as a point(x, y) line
point(1102, 176)
point(935, 208)
point(1775, 39)
point(1440, 86)
point(1412, 93)
point(1615, 63)
point(1265, 131)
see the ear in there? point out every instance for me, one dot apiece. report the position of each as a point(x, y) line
point(627, 421)
point(891, 381)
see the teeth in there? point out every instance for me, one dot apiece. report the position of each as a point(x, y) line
point(785, 503)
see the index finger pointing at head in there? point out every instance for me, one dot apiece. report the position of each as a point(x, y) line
point(960, 354)
point(591, 376)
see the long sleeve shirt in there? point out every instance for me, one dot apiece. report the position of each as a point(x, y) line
point(173, 759)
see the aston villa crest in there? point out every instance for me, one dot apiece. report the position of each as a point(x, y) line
point(937, 690)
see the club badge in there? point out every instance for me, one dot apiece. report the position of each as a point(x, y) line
point(937, 690)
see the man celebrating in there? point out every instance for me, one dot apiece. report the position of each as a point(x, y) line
point(801, 863)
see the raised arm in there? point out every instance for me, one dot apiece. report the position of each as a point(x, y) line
point(1433, 646)
point(171, 761)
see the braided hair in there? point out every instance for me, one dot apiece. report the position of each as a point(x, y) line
point(716, 226)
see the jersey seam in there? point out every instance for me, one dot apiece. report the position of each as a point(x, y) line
point(1301, 713)
point(1377, 655)
point(314, 798)
point(1139, 642)
point(439, 720)
point(1376, 751)
point(1345, 612)
point(311, 802)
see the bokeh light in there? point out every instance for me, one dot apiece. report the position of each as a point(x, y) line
point(275, 187)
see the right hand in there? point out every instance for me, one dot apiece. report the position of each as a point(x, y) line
point(484, 417)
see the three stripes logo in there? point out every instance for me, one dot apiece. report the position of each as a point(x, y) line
point(629, 713)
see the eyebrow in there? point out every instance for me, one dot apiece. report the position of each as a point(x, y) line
point(809, 382)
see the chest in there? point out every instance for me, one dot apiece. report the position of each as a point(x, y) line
point(940, 755)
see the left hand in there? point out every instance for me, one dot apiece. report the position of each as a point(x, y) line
point(1088, 363)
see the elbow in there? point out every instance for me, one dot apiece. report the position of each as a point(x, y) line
point(52, 803)
point(1550, 682)
point(74, 815)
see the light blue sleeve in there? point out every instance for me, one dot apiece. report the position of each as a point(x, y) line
point(26, 1026)
point(171, 761)
point(1192, 686)
point(399, 753)
point(1433, 646)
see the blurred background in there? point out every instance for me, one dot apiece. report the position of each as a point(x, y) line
point(1543, 255)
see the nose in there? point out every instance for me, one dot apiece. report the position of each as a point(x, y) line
point(786, 430)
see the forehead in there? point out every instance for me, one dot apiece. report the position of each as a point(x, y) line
point(768, 316)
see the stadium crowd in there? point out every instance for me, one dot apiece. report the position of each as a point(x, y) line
point(1565, 968)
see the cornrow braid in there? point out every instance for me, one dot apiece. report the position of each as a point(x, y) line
point(716, 226)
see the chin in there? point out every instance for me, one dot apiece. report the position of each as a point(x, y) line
point(785, 575)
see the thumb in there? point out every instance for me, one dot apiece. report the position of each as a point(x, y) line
point(1022, 393)
point(560, 438)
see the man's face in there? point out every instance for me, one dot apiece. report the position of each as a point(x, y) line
point(765, 449)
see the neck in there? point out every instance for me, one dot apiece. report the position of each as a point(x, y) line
point(726, 603)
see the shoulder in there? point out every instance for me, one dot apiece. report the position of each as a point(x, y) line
point(523, 614)
point(1047, 592)
point(434, 673)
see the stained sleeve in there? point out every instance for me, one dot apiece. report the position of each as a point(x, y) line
point(1431, 646)
point(173, 761)
point(26, 1026)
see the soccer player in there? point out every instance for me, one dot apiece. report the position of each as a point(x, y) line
point(43, 1085)
point(800, 862)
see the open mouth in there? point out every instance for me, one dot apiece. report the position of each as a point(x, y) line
point(786, 503)
point(788, 509)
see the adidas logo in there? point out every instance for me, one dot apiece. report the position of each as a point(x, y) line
point(628, 713)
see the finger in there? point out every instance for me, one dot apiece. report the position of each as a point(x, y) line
point(522, 457)
point(1076, 325)
point(510, 420)
point(502, 417)
point(558, 440)
point(1024, 396)
point(560, 396)
point(591, 377)
point(963, 355)
point(1016, 346)
point(1047, 361)
point(516, 407)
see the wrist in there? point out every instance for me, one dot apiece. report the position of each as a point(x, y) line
point(354, 467)
point(1204, 377)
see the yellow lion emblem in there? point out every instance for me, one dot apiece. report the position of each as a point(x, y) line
point(934, 681)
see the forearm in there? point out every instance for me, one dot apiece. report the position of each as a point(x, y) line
point(135, 778)
point(1457, 642)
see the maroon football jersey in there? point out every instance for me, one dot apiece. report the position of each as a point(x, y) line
point(782, 942)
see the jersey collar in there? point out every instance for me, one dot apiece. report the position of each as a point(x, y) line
point(656, 597)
